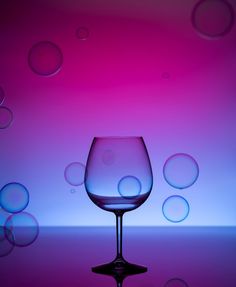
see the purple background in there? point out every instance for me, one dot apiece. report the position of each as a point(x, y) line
point(113, 84)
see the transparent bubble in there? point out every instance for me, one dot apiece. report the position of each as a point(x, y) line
point(14, 197)
point(45, 58)
point(82, 33)
point(213, 18)
point(2, 95)
point(181, 170)
point(129, 186)
point(165, 75)
point(5, 245)
point(108, 157)
point(74, 173)
point(175, 208)
point(176, 282)
point(24, 227)
point(6, 117)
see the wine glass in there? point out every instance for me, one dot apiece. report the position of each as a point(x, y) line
point(118, 178)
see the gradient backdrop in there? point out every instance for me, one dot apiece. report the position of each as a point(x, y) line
point(143, 70)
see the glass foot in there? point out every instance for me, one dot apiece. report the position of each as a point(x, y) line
point(119, 267)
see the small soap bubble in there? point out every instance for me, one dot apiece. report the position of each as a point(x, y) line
point(82, 33)
point(129, 186)
point(5, 245)
point(176, 282)
point(181, 170)
point(165, 75)
point(74, 173)
point(2, 95)
point(108, 157)
point(14, 197)
point(24, 228)
point(6, 117)
point(45, 58)
point(213, 19)
point(175, 208)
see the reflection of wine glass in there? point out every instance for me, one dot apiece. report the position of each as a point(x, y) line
point(118, 178)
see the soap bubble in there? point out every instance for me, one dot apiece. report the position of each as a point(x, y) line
point(82, 33)
point(165, 75)
point(74, 173)
point(2, 95)
point(5, 245)
point(108, 157)
point(6, 117)
point(129, 186)
point(175, 208)
point(213, 18)
point(24, 227)
point(176, 282)
point(181, 170)
point(14, 197)
point(45, 58)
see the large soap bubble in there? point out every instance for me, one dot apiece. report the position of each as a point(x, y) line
point(129, 186)
point(181, 170)
point(175, 208)
point(45, 58)
point(74, 173)
point(6, 117)
point(24, 228)
point(213, 18)
point(14, 197)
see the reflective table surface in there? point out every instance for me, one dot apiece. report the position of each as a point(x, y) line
point(175, 257)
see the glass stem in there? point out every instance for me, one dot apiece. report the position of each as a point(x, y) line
point(119, 235)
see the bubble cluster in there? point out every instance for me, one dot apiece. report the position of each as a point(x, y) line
point(2, 95)
point(180, 170)
point(6, 117)
point(45, 58)
point(19, 228)
point(14, 197)
point(24, 228)
point(175, 208)
point(82, 33)
point(213, 18)
point(74, 173)
point(129, 186)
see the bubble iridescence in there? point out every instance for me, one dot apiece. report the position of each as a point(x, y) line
point(24, 227)
point(45, 58)
point(74, 173)
point(129, 186)
point(181, 170)
point(6, 117)
point(175, 208)
point(213, 19)
point(14, 197)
